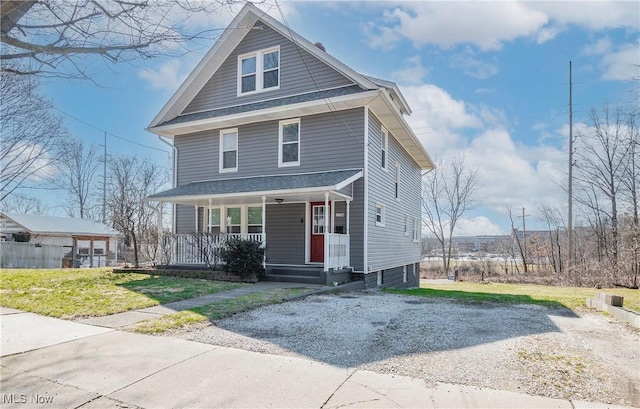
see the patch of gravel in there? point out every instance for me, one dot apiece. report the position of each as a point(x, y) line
point(523, 348)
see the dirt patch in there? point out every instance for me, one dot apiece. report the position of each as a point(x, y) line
point(524, 348)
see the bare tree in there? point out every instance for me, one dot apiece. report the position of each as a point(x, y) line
point(131, 181)
point(602, 159)
point(78, 167)
point(516, 236)
point(55, 37)
point(24, 204)
point(555, 227)
point(30, 133)
point(449, 191)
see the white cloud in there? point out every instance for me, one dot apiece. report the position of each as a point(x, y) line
point(601, 46)
point(488, 25)
point(475, 226)
point(474, 67)
point(438, 118)
point(412, 73)
point(623, 64)
point(167, 76)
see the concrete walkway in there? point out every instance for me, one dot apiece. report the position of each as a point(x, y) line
point(127, 318)
point(74, 365)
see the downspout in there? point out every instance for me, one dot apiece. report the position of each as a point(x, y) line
point(174, 179)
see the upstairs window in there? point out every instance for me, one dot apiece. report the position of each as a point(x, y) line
point(385, 148)
point(229, 150)
point(259, 71)
point(289, 150)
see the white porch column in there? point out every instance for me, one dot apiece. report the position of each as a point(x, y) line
point(326, 230)
point(264, 231)
point(196, 210)
point(159, 220)
point(347, 219)
point(333, 217)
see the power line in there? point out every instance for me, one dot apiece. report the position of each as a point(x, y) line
point(109, 133)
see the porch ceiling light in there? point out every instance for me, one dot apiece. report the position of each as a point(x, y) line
point(279, 201)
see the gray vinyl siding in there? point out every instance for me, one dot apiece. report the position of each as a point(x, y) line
point(300, 72)
point(388, 246)
point(328, 141)
point(286, 233)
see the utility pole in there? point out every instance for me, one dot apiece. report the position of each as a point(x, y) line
point(524, 237)
point(104, 182)
point(570, 210)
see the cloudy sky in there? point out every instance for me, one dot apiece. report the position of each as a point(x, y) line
point(489, 80)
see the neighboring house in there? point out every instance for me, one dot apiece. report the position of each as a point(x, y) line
point(277, 141)
point(90, 243)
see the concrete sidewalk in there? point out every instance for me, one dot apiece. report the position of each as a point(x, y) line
point(127, 318)
point(74, 367)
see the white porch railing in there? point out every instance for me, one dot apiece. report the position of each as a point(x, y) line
point(192, 248)
point(337, 251)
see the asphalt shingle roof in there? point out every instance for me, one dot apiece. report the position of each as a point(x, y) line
point(62, 225)
point(258, 184)
point(296, 99)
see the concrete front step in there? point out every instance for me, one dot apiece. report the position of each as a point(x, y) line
point(296, 271)
point(289, 278)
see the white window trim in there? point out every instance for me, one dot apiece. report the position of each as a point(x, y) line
point(208, 213)
point(282, 164)
point(396, 185)
point(404, 274)
point(385, 149)
point(382, 213)
point(223, 132)
point(406, 225)
point(259, 71)
point(416, 230)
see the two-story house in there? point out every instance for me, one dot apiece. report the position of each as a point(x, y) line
point(275, 140)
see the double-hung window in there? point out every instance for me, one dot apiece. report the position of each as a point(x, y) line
point(259, 71)
point(385, 148)
point(416, 229)
point(214, 221)
point(229, 150)
point(289, 143)
point(234, 220)
point(254, 219)
point(380, 214)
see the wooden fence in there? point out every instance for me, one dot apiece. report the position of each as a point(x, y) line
point(29, 255)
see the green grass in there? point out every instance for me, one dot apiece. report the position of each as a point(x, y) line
point(570, 297)
point(74, 293)
point(215, 311)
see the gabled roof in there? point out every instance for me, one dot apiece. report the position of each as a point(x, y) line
point(66, 226)
point(224, 46)
point(261, 186)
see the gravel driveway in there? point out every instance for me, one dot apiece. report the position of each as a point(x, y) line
point(524, 348)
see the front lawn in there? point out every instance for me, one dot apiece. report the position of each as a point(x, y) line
point(73, 293)
point(216, 310)
point(570, 297)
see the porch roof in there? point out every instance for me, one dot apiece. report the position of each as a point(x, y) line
point(301, 186)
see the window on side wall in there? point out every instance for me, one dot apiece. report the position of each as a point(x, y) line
point(259, 71)
point(380, 216)
point(229, 150)
point(234, 220)
point(289, 143)
point(214, 221)
point(416, 230)
point(385, 148)
point(254, 219)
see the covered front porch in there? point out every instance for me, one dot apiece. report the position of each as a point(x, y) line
point(301, 220)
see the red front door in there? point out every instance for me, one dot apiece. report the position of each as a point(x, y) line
point(318, 213)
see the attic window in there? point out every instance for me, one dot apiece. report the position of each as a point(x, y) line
point(259, 71)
